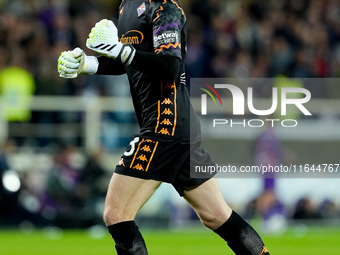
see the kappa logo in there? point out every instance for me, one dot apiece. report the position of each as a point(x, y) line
point(149, 141)
point(167, 111)
point(121, 162)
point(167, 122)
point(264, 250)
point(138, 167)
point(146, 148)
point(164, 131)
point(167, 101)
point(142, 158)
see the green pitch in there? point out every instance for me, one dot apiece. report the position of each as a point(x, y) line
point(296, 241)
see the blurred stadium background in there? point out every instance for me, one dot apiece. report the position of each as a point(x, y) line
point(60, 139)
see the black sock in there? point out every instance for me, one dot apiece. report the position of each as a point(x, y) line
point(241, 237)
point(129, 241)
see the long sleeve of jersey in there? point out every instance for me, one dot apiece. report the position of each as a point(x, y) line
point(110, 66)
point(162, 66)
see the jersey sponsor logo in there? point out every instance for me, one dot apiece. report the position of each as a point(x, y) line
point(165, 38)
point(141, 9)
point(132, 37)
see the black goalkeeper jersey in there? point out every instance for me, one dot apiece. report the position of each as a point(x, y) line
point(162, 106)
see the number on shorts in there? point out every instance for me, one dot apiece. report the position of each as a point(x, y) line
point(133, 147)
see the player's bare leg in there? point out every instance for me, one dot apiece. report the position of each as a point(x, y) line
point(209, 204)
point(125, 196)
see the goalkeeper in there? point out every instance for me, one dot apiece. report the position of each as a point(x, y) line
point(150, 46)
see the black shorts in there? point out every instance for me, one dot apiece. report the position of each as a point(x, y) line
point(164, 161)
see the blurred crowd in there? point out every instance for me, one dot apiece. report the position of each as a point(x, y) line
point(34, 33)
point(297, 38)
point(67, 192)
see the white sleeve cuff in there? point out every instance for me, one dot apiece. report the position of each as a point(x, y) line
point(92, 64)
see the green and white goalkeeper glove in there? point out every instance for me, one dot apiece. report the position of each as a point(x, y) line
point(75, 62)
point(103, 39)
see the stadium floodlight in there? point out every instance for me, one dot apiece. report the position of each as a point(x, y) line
point(11, 181)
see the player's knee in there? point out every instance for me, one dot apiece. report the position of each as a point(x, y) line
point(112, 216)
point(107, 217)
point(213, 220)
point(209, 222)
